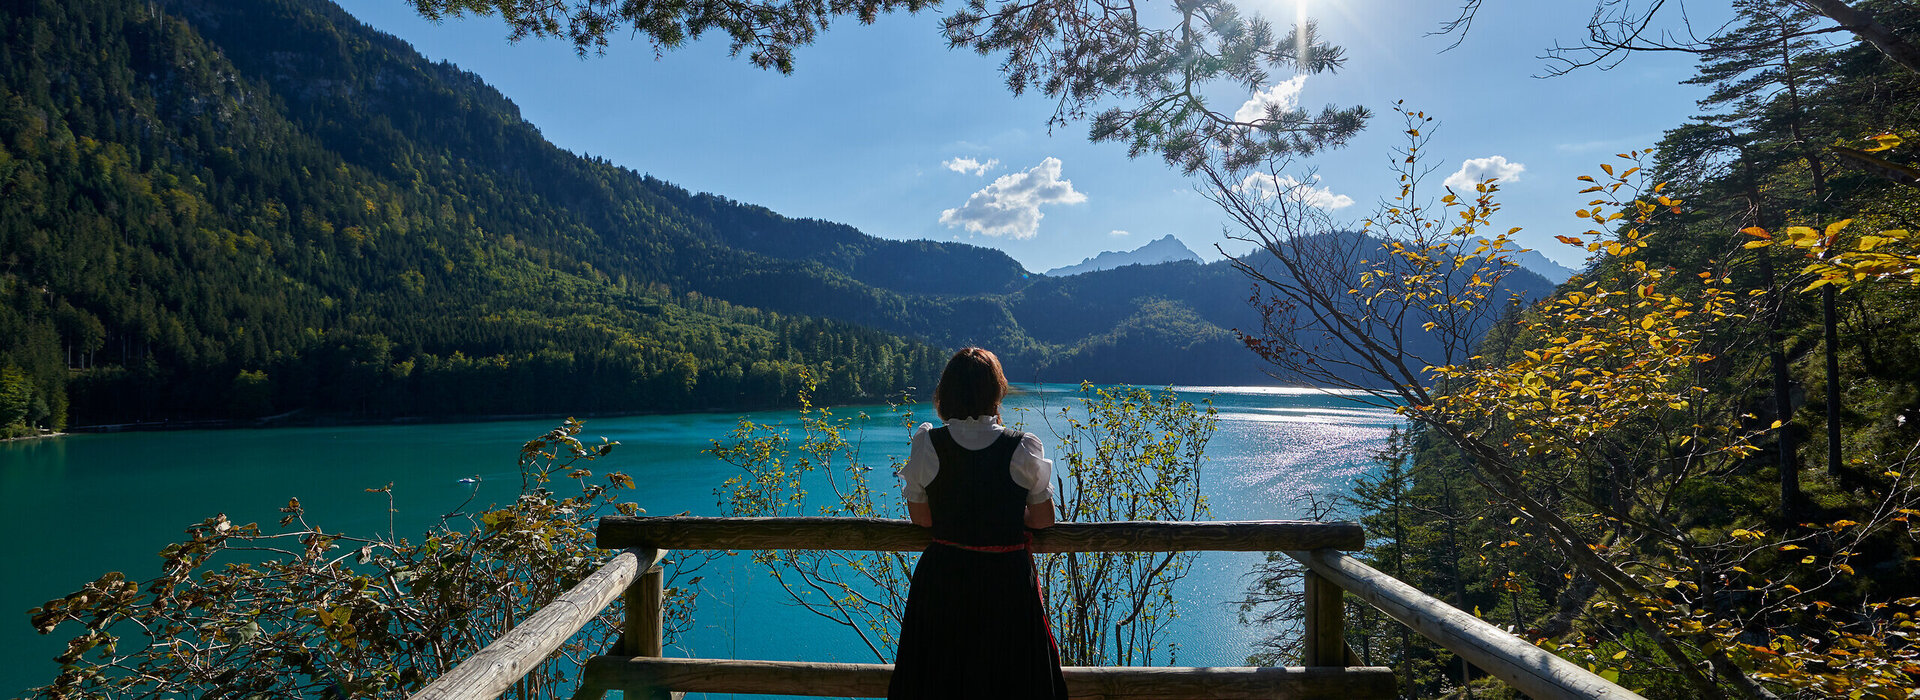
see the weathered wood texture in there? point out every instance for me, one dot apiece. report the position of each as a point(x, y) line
point(1527, 668)
point(643, 628)
point(643, 674)
point(493, 669)
point(1326, 624)
point(592, 689)
point(875, 534)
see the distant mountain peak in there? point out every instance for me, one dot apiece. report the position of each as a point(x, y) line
point(1164, 249)
point(1540, 264)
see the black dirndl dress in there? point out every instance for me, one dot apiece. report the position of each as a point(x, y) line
point(976, 624)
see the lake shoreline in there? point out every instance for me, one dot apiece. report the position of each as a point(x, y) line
point(336, 420)
point(301, 418)
point(36, 436)
point(148, 487)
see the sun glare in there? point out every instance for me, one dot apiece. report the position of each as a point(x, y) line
point(1340, 20)
point(1300, 16)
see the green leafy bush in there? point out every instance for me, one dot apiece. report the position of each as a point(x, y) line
point(241, 610)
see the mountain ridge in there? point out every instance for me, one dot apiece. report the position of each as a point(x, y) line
point(1538, 263)
point(318, 217)
point(1160, 250)
point(234, 237)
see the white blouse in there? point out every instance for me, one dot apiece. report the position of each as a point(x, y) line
point(1030, 468)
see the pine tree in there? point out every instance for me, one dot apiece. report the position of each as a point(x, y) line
point(1764, 73)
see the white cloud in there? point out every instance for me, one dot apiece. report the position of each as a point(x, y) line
point(1475, 170)
point(1118, 232)
point(969, 165)
point(1011, 205)
point(1285, 94)
point(1269, 186)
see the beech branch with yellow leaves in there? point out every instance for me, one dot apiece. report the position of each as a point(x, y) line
point(1884, 256)
point(1597, 409)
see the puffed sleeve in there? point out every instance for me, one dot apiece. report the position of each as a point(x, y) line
point(1032, 469)
point(922, 464)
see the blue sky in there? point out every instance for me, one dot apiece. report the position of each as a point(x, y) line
point(883, 128)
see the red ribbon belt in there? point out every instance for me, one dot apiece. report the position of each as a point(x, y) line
point(1026, 545)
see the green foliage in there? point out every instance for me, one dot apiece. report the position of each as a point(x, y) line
point(1126, 454)
point(252, 393)
point(865, 592)
point(1411, 544)
point(198, 211)
point(1375, 311)
point(1085, 56)
point(1593, 476)
point(386, 236)
point(1619, 450)
point(241, 610)
point(16, 398)
point(769, 31)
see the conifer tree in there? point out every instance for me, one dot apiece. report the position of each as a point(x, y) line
point(1763, 73)
point(1142, 84)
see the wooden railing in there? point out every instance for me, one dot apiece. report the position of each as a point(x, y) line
point(637, 668)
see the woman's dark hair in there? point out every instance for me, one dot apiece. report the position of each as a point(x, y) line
point(971, 386)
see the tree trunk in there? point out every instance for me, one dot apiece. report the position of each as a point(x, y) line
point(1832, 323)
point(1400, 572)
point(1782, 396)
point(1452, 507)
point(1864, 25)
point(1784, 448)
point(1816, 169)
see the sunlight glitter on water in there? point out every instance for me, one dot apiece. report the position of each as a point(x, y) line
point(1285, 453)
point(1275, 452)
point(1273, 446)
point(1270, 391)
point(1362, 415)
point(1311, 458)
point(1310, 416)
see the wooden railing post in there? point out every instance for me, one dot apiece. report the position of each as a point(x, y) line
point(1326, 638)
point(495, 668)
point(1528, 668)
point(645, 603)
point(641, 630)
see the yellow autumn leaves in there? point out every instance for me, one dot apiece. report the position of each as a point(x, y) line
point(1885, 256)
point(1620, 346)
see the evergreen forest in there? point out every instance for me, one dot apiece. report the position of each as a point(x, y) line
point(1690, 468)
point(203, 221)
point(1735, 521)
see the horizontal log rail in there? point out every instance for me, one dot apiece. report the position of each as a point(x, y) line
point(645, 677)
point(636, 665)
point(1528, 668)
point(876, 534)
point(490, 671)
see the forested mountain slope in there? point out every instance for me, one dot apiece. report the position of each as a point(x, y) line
point(198, 239)
point(368, 96)
point(228, 208)
point(1762, 517)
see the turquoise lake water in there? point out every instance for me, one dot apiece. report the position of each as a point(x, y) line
point(78, 506)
